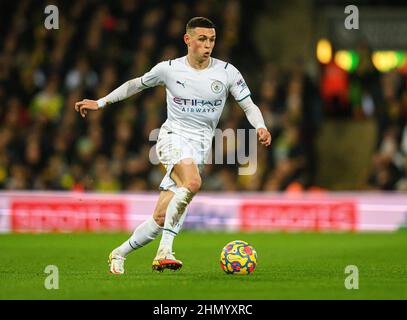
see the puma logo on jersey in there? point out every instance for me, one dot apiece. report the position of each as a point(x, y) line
point(182, 84)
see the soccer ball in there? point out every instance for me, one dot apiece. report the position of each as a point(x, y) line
point(238, 257)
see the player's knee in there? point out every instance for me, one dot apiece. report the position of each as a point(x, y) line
point(194, 184)
point(159, 218)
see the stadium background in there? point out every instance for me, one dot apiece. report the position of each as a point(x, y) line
point(45, 145)
point(335, 101)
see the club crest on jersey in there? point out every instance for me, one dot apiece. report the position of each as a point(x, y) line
point(217, 86)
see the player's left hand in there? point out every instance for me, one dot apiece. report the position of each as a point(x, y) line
point(264, 136)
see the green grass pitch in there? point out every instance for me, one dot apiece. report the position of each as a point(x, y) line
point(290, 266)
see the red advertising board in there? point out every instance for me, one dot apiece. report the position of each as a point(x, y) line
point(93, 212)
point(298, 216)
point(62, 215)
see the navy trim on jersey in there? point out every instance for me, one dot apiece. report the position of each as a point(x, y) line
point(226, 65)
point(143, 83)
point(169, 61)
point(244, 97)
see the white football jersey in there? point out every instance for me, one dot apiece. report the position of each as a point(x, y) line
point(196, 98)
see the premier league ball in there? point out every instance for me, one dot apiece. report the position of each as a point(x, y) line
point(238, 257)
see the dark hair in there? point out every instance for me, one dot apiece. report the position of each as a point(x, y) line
point(199, 22)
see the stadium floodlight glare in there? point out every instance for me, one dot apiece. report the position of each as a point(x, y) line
point(347, 60)
point(324, 51)
point(385, 61)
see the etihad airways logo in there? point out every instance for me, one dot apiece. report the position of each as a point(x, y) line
point(198, 104)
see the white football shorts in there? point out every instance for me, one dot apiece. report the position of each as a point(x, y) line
point(171, 148)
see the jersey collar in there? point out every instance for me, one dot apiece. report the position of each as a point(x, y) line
point(199, 70)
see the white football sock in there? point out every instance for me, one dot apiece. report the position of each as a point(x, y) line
point(174, 217)
point(178, 226)
point(144, 233)
point(167, 237)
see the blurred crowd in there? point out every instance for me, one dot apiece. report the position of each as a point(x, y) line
point(366, 93)
point(388, 168)
point(45, 144)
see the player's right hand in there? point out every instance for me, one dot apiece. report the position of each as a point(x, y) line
point(84, 105)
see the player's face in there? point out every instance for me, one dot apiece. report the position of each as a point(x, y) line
point(200, 42)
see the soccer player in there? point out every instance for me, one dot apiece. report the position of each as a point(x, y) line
point(197, 86)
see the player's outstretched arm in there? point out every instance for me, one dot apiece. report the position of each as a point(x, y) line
point(155, 77)
point(126, 90)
